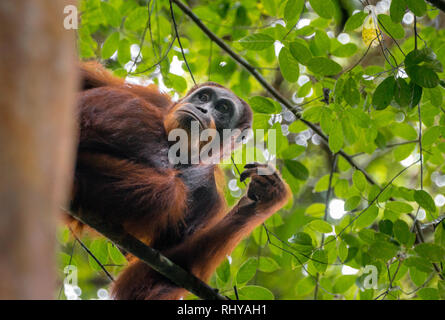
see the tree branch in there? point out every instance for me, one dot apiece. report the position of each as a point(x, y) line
point(150, 256)
point(439, 4)
point(272, 91)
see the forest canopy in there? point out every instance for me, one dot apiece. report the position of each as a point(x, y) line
point(354, 90)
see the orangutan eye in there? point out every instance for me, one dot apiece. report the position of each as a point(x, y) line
point(204, 97)
point(223, 107)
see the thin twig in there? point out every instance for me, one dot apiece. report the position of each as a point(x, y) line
point(235, 290)
point(143, 37)
point(159, 61)
point(179, 40)
point(388, 146)
point(326, 212)
point(109, 276)
point(296, 23)
point(69, 263)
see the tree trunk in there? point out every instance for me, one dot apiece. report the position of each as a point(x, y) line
point(37, 91)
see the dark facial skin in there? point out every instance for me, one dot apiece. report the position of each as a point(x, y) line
point(208, 104)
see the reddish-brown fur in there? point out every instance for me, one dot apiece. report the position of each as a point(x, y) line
point(123, 175)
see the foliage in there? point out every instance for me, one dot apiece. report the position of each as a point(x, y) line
point(379, 106)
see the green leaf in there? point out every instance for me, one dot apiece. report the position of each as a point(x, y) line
point(418, 7)
point(302, 239)
point(124, 53)
point(386, 194)
point(384, 93)
point(424, 76)
point(439, 234)
point(394, 30)
point(304, 90)
point(110, 14)
point(352, 203)
point(316, 210)
point(260, 121)
point(324, 8)
point(402, 93)
point(63, 235)
point(324, 66)
point(441, 289)
point(417, 56)
point(64, 259)
point(304, 286)
point(85, 49)
point(137, 19)
point(116, 255)
point(176, 82)
point(256, 293)
point(291, 152)
point(320, 260)
point(399, 207)
point(223, 271)
point(327, 119)
point(417, 277)
point(401, 231)
point(384, 250)
point(270, 6)
point(359, 180)
point(430, 136)
point(300, 52)
point(320, 226)
point(288, 65)
point(422, 65)
point(397, 10)
point(355, 21)
point(297, 169)
point(386, 227)
point(261, 104)
point(293, 10)
point(424, 200)
point(257, 41)
point(428, 294)
point(342, 251)
point(267, 264)
point(322, 42)
point(342, 188)
point(110, 46)
point(361, 118)
point(343, 283)
point(403, 151)
point(345, 50)
point(404, 130)
point(420, 264)
point(323, 183)
point(431, 251)
point(435, 96)
point(99, 249)
point(336, 138)
point(351, 93)
point(416, 92)
point(367, 217)
point(247, 271)
point(367, 235)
